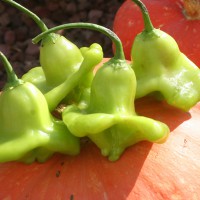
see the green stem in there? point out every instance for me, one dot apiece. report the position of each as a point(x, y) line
point(11, 76)
point(147, 21)
point(38, 21)
point(119, 54)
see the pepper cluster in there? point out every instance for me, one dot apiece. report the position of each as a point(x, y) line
point(98, 105)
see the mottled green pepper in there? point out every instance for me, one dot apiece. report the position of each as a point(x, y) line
point(28, 132)
point(162, 69)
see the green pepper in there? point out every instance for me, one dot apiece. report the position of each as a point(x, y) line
point(79, 81)
point(59, 57)
point(162, 69)
point(28, 131)
point(109, 118)
point(37, 77)
point(82, 91)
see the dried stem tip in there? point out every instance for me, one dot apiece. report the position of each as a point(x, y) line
point(192, 9)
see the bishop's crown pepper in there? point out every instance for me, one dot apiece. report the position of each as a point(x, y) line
point(109, 118)
point(28, 132)
point(59, 57)
point(161, 68)
point(73, 93)
point(79, 82)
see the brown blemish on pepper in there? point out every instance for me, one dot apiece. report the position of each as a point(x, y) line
point(58, 173)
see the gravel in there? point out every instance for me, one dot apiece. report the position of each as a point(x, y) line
point(17, 29)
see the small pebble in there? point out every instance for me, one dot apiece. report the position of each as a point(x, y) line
point(9, 37)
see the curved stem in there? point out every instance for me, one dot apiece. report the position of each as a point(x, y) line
point(119, 54)
point(147, 21)
point(37, 20)
point(11, 76)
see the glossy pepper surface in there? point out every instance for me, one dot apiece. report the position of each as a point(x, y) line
point(109, 118)
point(78, 83)
point(161, 68)
point(59, 57)
point(28, 131)
point(76, 86)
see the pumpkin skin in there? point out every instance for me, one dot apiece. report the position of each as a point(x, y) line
point(166, 15)
point(168, 171)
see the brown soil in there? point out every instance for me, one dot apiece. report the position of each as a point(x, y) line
point(17, 29)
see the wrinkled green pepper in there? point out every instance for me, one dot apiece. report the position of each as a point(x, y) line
point(109, 118)
point(161, 69)
point(28, 132)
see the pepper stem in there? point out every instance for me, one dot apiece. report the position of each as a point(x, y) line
point(119, 53)
point(192, 9)
point(11, 76)
point(32, 15)
point(147, 21)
